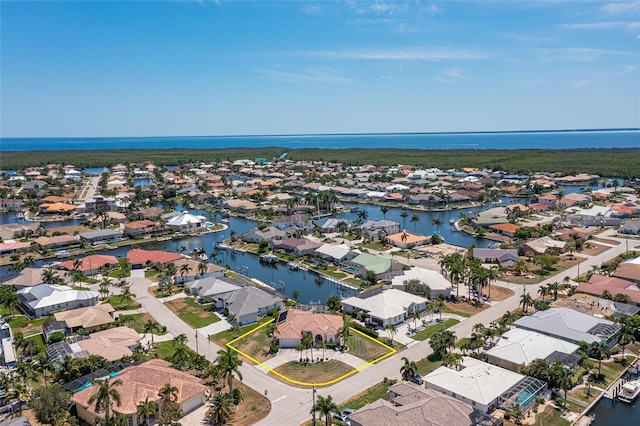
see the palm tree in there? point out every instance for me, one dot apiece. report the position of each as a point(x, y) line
point(345, 331)
point(391, 329)
point(526, 300)
point(202, 268)
point(146, 409)
point(409, 369)
point(185, 268)
point(452, 360)
point(168, 394)
point(627, 333)
point(49, 276)
point(437, 222)
point(600, 350)
point(229, 363)
point(543, 291)
point(326, 407)
point(9, 299)
point(104, 396)
point(415, 219)
point(105, 285)
point(307, 342)
point(362, 215)
point(438, 305)
point(295, 295)
point(149, 327)
point(404, 216)
point(220, 410)
point(384, 210)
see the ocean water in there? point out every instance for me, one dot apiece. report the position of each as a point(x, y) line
point(500, 140)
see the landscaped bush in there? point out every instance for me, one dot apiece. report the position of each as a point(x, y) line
point(56, 337)
point(366, 330)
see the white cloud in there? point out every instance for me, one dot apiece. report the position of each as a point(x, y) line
point(628, 69)
point(581, 83)
point(452, 73)
point(622, 7)
point(308, 75)
point(386, 77)
point(312, 9)
point(608, 25)
point(580, 54)
point(400, 54)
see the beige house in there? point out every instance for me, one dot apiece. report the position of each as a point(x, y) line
point(139, 382)
point(294, 323)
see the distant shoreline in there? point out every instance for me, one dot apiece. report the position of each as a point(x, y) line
point(605, 162)
point(286, 135)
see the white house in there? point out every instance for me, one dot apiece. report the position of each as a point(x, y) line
point(438, 284)
point(485, 386)
point(43, 299)
point(384, 307)
point(185, 221)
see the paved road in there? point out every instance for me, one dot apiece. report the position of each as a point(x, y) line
point(291, 406)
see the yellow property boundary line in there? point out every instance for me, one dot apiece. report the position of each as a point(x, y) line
point(282, 376)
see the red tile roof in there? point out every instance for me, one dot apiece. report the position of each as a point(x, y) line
point(140, 256)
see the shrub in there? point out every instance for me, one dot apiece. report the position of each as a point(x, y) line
point(56, 337)
point(366, 330)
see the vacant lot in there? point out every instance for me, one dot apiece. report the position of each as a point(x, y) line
point(189, 311)
point(429, 331)
point(256, 345)
point(320, 372)
point(365, 348)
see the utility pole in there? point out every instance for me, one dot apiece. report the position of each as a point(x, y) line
point(197, 352)
point(313, 411)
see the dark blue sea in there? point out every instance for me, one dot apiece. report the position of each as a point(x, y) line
point(498, 140)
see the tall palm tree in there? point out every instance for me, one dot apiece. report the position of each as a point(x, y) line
point(202, 268)
point(600, 351)
point(185, 268)
point(345, 330)
point(404, 215)
point(391, 330)
point(627, 333)
point(326, 407)
point(384, 210)
point(105, 396)
point(437, 222)
point(149, 327)
point(415, 219)
point(146, 409)
point(168, 393)
point(220, 409)
point(49, 276)
point(362, 216)
point(526, 300)
point(230, 363)
point(307, 342)
point(409, 369)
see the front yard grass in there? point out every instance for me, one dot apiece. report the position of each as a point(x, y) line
point(317, 372)
point(374, 393)
point(121, 303)
point(224, 337)
point(137, 322)
point(427, 365)
point(364, 348)
point(189, 311)
point(256, 345)
point(429, 331)
point(611, 370)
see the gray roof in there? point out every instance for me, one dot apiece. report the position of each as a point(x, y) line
point(248, 300)
point(100, 233)
point(211, 286)
point(569, 325)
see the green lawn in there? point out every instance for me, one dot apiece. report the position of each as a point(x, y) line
point(39, 339)
point(370, 395)
point(165, 350)
point(433, 329)
point(137, 322)
point(121, 303)
point(427, 365)
point(551, 416)
point(26, 325)
point(194, 314)
point(611, 370)
point(226, 336)
point(453, 311)
point(364, 348)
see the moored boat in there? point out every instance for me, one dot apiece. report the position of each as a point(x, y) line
point(630, 391)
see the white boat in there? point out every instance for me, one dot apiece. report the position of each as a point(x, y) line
point(63, 253)
point(269, 258)
point(630, 391)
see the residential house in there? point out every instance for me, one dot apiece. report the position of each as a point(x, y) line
point(100, 236)
point(337, 253)
point(506, 229)
point(364, 262)
point(112, 344)
point(294, 323)
point(599, 284)
point(13, 247)
point(439, 286)
point(406, 239)
point(139, 258)
point(90, 265)
point(211, 287)
point(376, 229)
point(89, 317)
point(333, 225)
point(384, 307)
point(248, 304)
point(502, 257)
point(571, 326)
point(629, 270)
point(44, 299)
point(297, 246)
point(269, 233)
point(194, 270)
point(30, 277)
point(300, 221)
point(185, 221)
point(11, 231)
point(142, 381)
point(57, 242)
point(518, 347)
point(486, 386)
point(140, 228)
point(543, 245)
point(412, 404)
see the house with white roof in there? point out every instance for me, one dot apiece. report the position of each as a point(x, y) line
point(485, 386)
point(571, 326)
point(185, 221)
point(519, 347)
point(336, 252)
point(43, 299)
point(438, 284)
point(391, 306)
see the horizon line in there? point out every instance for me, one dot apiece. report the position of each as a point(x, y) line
point(474, 132)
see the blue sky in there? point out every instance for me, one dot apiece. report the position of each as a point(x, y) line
point(222, 68)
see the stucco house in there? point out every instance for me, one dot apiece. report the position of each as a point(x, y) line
point(294, 323)
point(43, 299)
